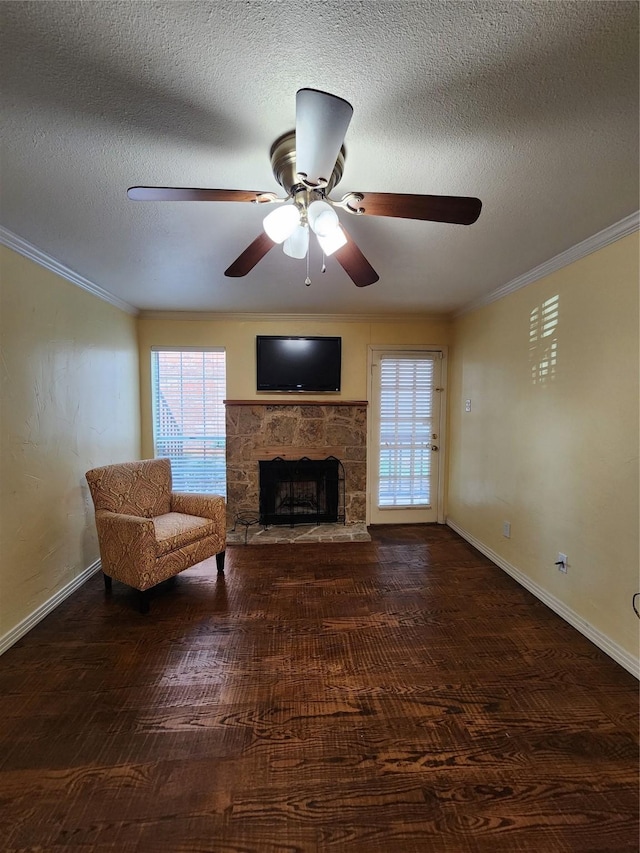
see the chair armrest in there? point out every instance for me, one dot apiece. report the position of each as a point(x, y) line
point(205, 506)
point(126, 539)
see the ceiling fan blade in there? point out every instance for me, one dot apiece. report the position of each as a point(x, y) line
point(354, 263)
point(254, 252)
point(189, 194)
point(459, 210)
point(321, 124)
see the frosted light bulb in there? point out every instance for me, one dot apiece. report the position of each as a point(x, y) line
point(297, 245)
point(333, 241)
point(322, 218)
point(281, 222)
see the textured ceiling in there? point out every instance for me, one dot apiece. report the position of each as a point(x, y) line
point(532, 107)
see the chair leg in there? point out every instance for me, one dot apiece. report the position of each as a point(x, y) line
point(143, 600)
point(107, 583)
point(220, 562)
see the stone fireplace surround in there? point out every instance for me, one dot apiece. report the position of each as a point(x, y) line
point(292, 429)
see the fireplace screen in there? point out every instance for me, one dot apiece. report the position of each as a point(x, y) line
point(302, 491)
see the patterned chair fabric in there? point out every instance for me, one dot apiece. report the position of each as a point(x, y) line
point(146, 532)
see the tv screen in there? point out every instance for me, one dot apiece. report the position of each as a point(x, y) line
point(309, 363)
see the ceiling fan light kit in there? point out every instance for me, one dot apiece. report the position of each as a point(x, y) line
point(290, 224)
point(308, 164)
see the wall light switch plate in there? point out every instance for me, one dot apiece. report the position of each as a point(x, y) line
point(506, 529)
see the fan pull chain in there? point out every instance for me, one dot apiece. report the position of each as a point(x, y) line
point(307, 280)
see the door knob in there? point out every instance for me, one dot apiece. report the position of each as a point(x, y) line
point(434, 446)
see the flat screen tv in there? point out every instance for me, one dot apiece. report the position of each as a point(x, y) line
point(286, 363)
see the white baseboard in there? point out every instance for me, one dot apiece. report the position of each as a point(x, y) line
point(32, 619)
point(606, 644)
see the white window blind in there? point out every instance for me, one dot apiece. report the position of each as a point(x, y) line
point(188, 391)
point(406, 394)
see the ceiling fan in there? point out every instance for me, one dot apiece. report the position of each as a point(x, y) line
point(308, 163)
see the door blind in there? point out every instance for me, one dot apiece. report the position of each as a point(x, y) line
point(188, 391)
point(406, 393)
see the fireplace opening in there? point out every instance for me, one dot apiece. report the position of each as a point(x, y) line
point(301, 491)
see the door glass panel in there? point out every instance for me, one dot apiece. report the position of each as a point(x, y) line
point(406, 427)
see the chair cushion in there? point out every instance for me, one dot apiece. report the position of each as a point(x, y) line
point(132, 488)
point(175, 530)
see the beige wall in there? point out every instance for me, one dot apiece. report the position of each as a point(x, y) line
point(238, 337)
point(557, 457)
point(70, 401)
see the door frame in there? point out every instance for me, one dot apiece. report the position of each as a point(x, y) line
point(372, 460)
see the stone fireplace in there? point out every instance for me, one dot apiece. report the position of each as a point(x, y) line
point(260, 431)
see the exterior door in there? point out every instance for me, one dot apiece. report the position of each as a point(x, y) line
point(406, 429)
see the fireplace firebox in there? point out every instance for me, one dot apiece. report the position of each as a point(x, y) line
point(302, 491)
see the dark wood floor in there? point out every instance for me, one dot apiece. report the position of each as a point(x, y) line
point(399, 695)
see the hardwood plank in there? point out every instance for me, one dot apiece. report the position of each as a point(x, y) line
point(401, 694)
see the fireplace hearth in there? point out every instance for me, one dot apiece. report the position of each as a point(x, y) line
point(301, 491)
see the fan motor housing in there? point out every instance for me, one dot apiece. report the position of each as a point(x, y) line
point(283, 164)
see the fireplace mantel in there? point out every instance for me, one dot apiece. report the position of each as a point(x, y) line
point(289, 402)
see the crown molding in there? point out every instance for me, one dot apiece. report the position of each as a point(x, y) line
point(23, 247)
point(603, 238)
point(623, 228)
point(315, 318)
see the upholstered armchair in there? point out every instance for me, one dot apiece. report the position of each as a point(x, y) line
point(148, 533)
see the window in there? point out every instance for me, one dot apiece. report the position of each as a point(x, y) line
point(188, 389)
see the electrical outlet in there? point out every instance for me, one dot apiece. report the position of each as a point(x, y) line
point(506, 529)
point(562, 562)
point(467, 405)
